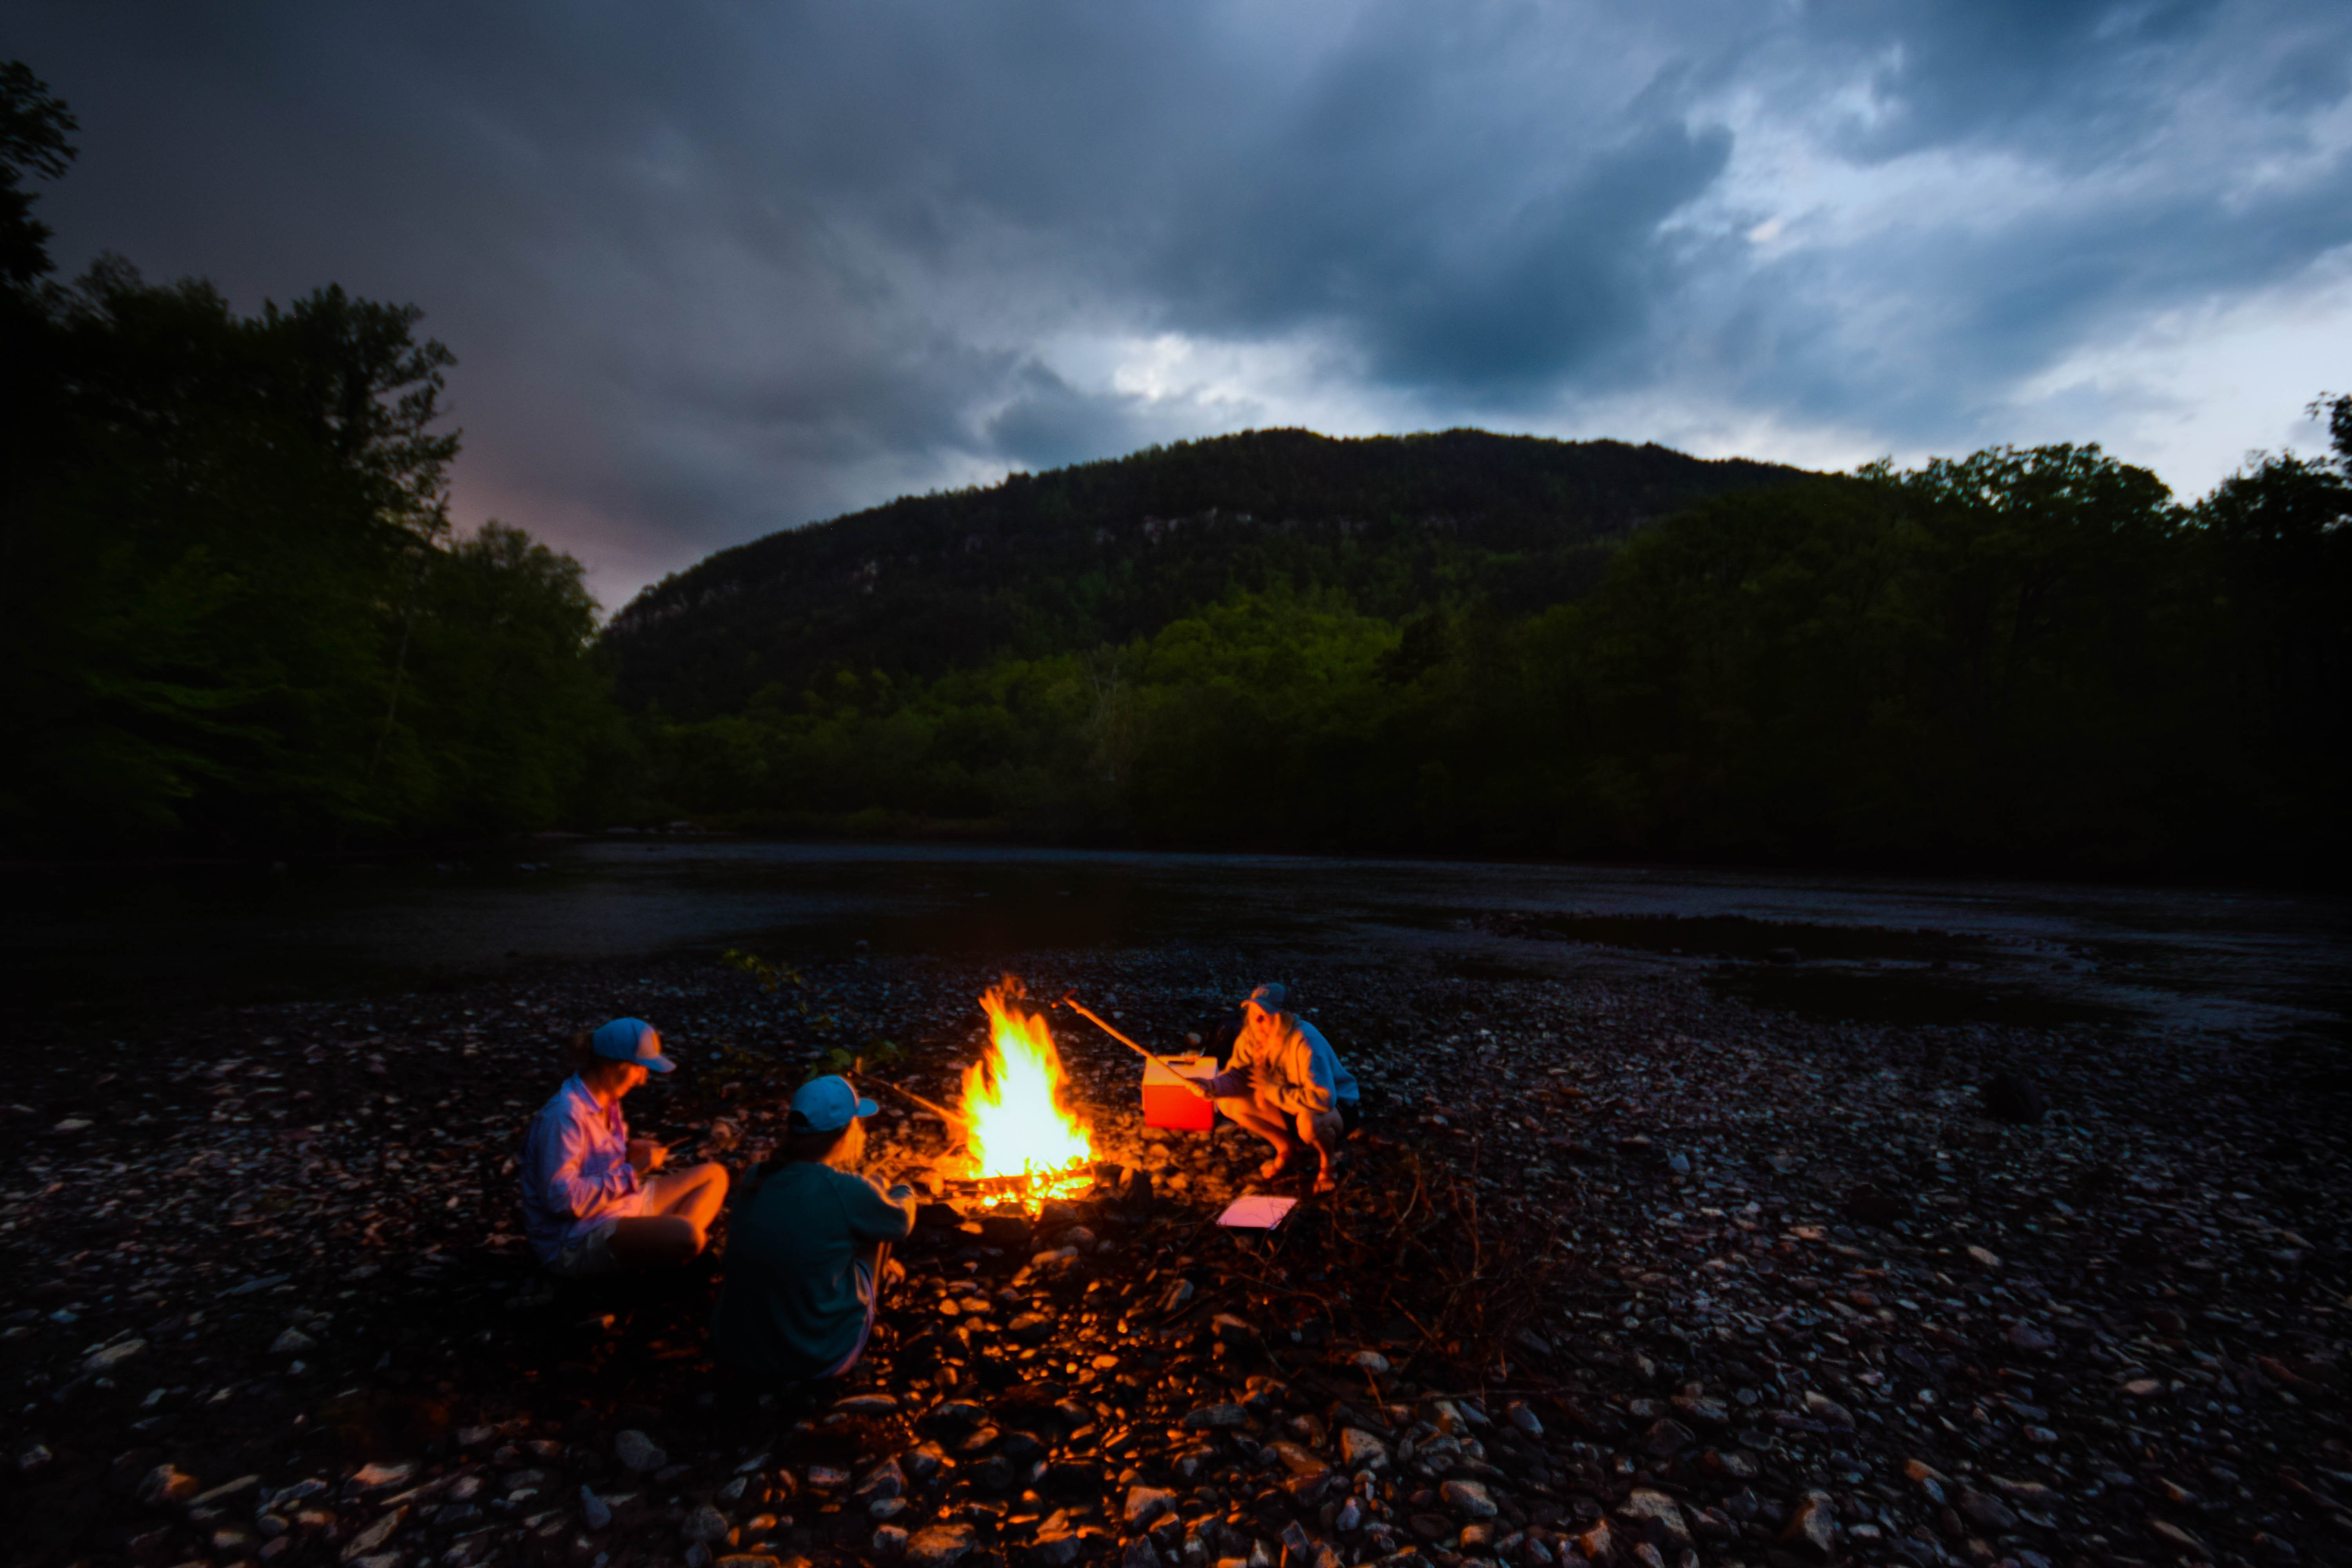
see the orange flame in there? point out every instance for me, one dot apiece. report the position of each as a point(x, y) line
point(1020, 1124)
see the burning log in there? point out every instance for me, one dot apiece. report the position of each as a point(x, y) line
point(1019, 1129)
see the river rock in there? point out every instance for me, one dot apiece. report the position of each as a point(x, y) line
point(1812, 1526)
point(1469, 1499)
point(938, 1545)
point(112, 1356)
point(1215, 1417)
point(1984, 1511)
point(637, 1453)
point(375, 1535)
point(1663, 1439)
point(1657, 1517)
point(2024, 1336)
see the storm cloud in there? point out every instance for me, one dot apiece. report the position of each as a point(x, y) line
point(719, 269)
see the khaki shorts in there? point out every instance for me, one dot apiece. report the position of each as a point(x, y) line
point(588, 1258)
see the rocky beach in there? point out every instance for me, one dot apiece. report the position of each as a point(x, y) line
point(1622, 1269)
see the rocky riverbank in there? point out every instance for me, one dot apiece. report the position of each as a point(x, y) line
point(1619, 1270)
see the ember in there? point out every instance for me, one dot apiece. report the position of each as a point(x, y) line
point(1020, 1126)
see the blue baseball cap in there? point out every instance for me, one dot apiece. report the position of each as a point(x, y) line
point(826, 1104)
point(633, 1040)
point(1269, 997)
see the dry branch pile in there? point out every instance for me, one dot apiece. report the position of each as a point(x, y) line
point(1617, 1272)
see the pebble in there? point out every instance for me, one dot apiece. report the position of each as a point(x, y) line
point(1470, 1500)
point(937, 1545)
point(636, 1452)
point(166, 1483)
point(1812, 1525)
point(2024, 1336)
point(1657, 1517)
point(1984, 1511)
point(112, 1356)
point(1216, 1417)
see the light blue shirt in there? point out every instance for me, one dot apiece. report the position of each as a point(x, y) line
point(1295, 1067)
point(575, 1170)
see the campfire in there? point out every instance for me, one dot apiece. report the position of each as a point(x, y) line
point(1024, 1139)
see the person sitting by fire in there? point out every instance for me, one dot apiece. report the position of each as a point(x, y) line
point(808, 1250)
point(1285, 1077)
point(591, 1200)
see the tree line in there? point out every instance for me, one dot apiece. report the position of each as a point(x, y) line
point(2025, 660)
point(234, 614)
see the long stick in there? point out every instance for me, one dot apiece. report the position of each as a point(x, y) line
point(1072, 1002)
point(940, 1111)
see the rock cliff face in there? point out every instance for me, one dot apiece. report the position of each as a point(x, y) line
point(1110, 550)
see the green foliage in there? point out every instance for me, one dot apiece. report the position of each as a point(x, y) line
point(33, 130)
point(231, 611)
point(770, 977)
point(2028, 659)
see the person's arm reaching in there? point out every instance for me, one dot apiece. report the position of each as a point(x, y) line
point(875, 1216)
point(1239, 1080)
point(1306, 1089)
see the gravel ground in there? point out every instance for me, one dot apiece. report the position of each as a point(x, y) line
point(1619, 1270)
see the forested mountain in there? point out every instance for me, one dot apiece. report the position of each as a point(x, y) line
point(1103, 552)
point(2022, 660)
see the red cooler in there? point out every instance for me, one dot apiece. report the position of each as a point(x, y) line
point(1168, 1103)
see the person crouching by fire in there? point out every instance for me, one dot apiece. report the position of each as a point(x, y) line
point(808, 1250)
point(1285, 1075)
point(591, 1200)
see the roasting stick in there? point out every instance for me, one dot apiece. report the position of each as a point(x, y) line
point(940, 1111)
point(1072, 1002)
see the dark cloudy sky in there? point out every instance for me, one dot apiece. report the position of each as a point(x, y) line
point(715, 268)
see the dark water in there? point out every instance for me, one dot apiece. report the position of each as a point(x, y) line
point(1837, 946)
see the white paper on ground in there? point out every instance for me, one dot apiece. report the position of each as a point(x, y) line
point(1257, 1212)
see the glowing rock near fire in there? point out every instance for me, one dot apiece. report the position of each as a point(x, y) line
point(1020, 1124)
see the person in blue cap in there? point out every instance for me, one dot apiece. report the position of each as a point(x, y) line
point(809, 1245)
point(595, 1201)
point(1285, 1083)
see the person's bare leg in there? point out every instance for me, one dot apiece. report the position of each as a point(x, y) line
point(1269, 1124)
point(676, 1225)
point(1324, 1134)
point(652, 1241)
point(696, 1194)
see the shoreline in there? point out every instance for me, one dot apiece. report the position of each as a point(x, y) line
point(1812, 1268)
